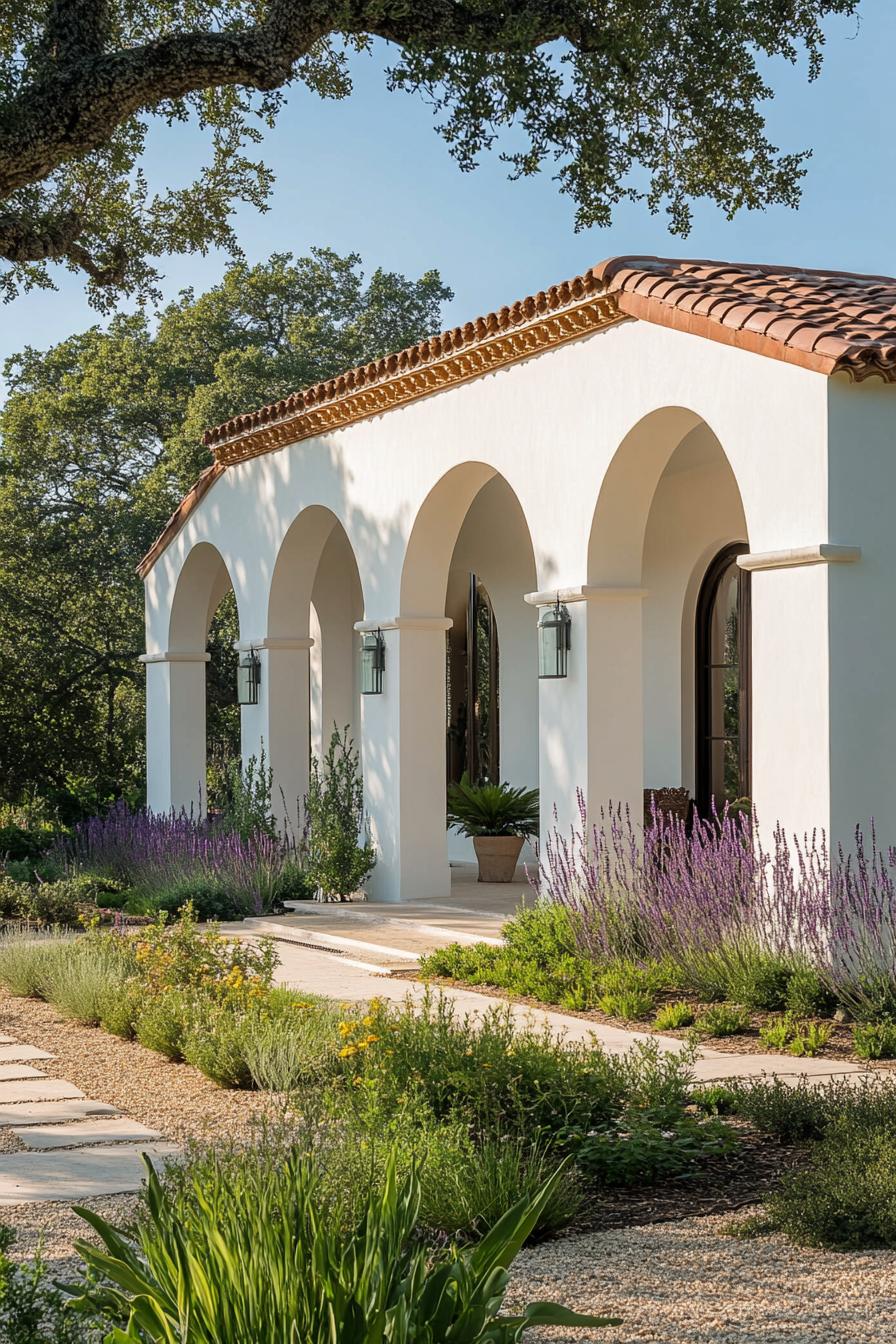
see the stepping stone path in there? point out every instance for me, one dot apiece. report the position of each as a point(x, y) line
point(81, 1148)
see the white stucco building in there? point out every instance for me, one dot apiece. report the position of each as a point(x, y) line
point(699, 459)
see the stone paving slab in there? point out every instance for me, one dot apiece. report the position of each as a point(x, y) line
point(11, 1072)
point(13, 1054)
point(76, 1174)
point(38, 1089)
point(52, 1112)
point(77, 1133)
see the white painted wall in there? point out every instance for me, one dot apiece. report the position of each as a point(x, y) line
point(582, 435)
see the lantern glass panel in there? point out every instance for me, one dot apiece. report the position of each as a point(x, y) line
point(553, 641)
point(373, 661)
point(248, 678)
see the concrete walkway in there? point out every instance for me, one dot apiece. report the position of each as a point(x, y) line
point(305, 968)
point(77, 1148)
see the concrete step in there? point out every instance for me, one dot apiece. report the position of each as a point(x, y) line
point(88, 1132)
point(38, 1089)
point(376, 940)
point(75, 1174)
point(51, 1112)
point(16, 1054)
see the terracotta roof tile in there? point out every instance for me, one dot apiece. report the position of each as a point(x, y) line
point(828, 321)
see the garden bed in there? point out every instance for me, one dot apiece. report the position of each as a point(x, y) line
point(838, 1048)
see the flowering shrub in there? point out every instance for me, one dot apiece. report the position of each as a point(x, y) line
point(733, 918)
point(183, 956)
point(170, 857)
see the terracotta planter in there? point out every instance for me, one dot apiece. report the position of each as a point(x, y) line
point(498, 856)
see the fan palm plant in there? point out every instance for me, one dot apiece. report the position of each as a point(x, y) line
point(497, 818)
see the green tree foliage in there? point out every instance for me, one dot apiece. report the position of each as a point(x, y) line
point(100, 437)
point(661, 102)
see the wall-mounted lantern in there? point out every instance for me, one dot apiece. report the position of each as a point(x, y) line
point(248, 678)
point(373, 662)
point(554, 626)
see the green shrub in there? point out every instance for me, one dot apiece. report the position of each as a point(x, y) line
point(20, 843)
point(642, 1147)
point(542, 932)
point(293, 883)
point(539, 959)
point(63, 902)
point(79, 983)
point(26, 960)
point(226, 1258)
point(673, 1017)
point(471, 962)
point(757, 979)
point(805, 1111)
point(290, 1041)
point(724, 1019)
point(215, 1042)
point(465, 1189)
point(32, 1310)
point(209, 897)
point(809, 1039)
point(807, 996)
point(504, 1079)
point(338, 863)
point(846, 1198)
point(161, 1023)
point(874, 1040)
point(779, 1032)
point(120, 1008)
point(20, 870)
point(715, 1099)
point(631, 1005)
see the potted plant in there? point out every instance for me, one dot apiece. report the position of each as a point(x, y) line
point(497, 818)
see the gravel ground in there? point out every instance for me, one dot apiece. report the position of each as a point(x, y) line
point(687, 1283)
point(175, 1099)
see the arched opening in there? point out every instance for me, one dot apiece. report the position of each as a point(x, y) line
point(670, 504)
point(204, 715)
point(310, 649)
point(722, 676)
point(470, 559)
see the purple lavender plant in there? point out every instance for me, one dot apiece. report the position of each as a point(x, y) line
point(160, 853)
point(712, 901)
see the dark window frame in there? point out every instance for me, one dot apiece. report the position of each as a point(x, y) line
point(703, 668)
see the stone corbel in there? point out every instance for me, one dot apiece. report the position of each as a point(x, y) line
point(823, 554)
point(405, 623)
point(584, 593)
point(174, 657)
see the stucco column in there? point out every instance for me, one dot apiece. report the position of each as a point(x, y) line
point(175, 730)
point(403, 740)
point(802, 603)
point(279, 725)
point(591, 722)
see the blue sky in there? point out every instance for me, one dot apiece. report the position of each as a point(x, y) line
point(371, 175)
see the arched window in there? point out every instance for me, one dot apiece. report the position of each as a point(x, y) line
point(723, 682)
